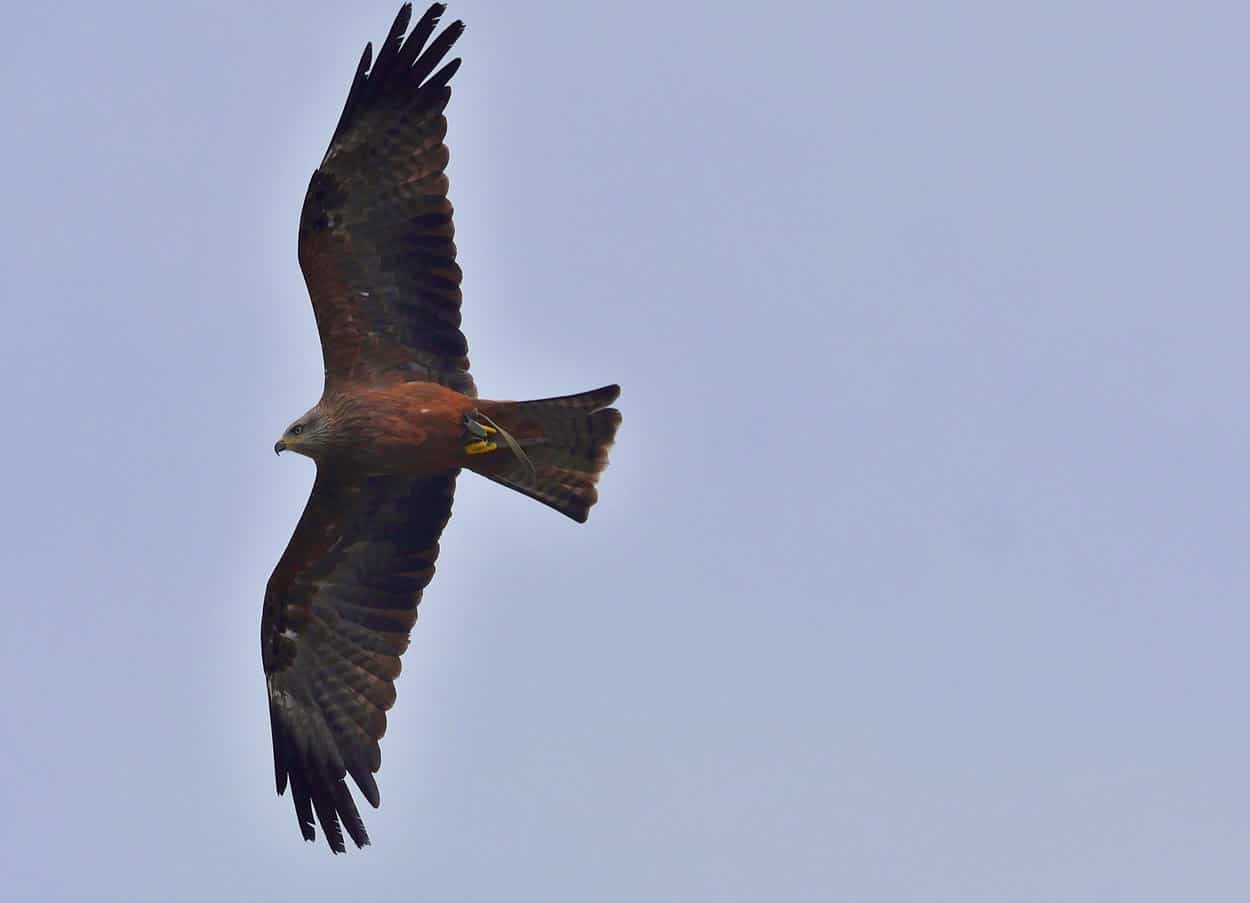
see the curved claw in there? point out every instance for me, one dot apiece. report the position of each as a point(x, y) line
point(483, 444)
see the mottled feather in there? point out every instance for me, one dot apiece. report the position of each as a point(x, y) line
point(376, 235)
point(337, 614)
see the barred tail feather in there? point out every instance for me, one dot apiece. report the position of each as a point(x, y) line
point(567, 440)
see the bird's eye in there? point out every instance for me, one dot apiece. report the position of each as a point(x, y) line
point(297, 429)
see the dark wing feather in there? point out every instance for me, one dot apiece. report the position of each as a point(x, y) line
point(337, 613)
point(375, 233)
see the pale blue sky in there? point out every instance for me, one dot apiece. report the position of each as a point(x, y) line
point(920, 572)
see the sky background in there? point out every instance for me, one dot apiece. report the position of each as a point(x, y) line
point(920, 571)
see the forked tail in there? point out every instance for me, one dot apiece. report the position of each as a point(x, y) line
point(566, 440)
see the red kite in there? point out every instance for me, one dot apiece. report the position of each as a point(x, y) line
point(397, 421)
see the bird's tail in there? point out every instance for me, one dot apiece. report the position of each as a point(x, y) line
point(563, 444)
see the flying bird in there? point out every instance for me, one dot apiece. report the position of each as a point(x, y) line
point(398, 419)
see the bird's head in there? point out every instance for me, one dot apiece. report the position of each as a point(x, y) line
point(307, 435)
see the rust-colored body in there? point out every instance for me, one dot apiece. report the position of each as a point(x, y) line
point(412, 429)
point(407, 428)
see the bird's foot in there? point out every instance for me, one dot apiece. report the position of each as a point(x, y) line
point(484, 435)
point(478, 435)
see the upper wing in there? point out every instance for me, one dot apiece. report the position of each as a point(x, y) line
point(375, 232)
point(336, 618)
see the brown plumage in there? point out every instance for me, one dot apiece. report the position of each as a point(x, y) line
point(399, 418)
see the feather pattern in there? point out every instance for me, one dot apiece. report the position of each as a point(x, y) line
point(337, 614)
point(376, 234)
point(566, 439)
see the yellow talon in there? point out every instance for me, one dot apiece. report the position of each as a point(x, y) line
point(481, 427)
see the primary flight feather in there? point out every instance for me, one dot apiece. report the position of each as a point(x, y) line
point(398, 419)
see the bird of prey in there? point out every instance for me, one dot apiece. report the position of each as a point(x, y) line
point(398, 419)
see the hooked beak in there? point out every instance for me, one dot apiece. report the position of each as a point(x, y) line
point(279, 447)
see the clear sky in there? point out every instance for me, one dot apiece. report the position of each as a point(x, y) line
point(921, 569)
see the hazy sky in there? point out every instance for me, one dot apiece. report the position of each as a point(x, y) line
point(921, 569)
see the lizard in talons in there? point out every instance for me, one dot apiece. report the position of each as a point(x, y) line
point(483, 434)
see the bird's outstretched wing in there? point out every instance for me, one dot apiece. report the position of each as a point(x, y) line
point(336, 618)
point(375, 232)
